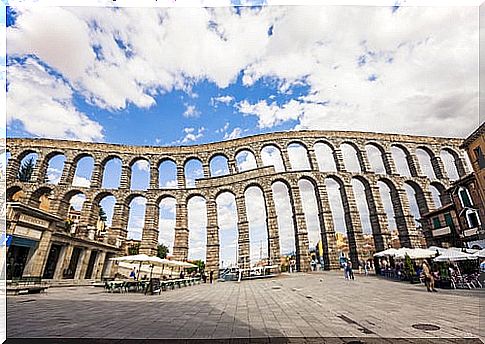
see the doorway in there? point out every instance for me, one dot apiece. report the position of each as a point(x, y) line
point(50, 266)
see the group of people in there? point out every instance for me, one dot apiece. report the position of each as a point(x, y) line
point(134, 275)
point(348, 271)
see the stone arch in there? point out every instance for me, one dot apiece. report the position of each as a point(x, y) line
point(49, 172)
point(218, 165)
point(23, 159)
point(97, 199)
point(312, 209)
point(167, 206)
point(257, 222)
point(245, 159)
point(454, 169)
point(421, 197)
point(14, 193)
point(65, 202)
point(167, 173)
point(271, 156)
point(227, 223)
point(40, 197)
point(139, 176)
point(438, 189)
point(83, 171)
point(197, 230)
point(111, 179)
point(402, 159)
point(376, 155)
point(193, 173)
point(298, 160)
point(352, 161)
point(285, 216)
point(425, 156)
point(326, 163)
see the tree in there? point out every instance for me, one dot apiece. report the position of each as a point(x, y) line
point(134, 249)
point(162, 251)
point(102, 214)
point(200, 265)
point(26, 170)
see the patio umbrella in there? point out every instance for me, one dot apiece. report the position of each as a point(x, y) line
point(415, 253)
point(453, 255)
point(141, 259)
point(479, 254)
point(389, 252)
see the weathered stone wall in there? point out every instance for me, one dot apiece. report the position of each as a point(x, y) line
point(237, 182)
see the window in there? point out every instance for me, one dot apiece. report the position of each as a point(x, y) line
point(436, 222)
point(479, 157)
point(472, 218)
point(449, 221)
point(464, 197)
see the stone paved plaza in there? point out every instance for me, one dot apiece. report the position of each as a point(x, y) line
point(299, 305)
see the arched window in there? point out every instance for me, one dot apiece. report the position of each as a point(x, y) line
point(464, 197)
point(472, 218)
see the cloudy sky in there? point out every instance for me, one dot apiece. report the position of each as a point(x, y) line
point(181, 76)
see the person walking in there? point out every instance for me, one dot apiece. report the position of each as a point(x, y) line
point(133, 273)
point(366, 268)
point(211, 276)
point(428, 277)
point(346, 271)
point(350, 272)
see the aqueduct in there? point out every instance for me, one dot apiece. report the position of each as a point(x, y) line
point(237, 181)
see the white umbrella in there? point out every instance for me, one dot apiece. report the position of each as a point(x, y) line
point(415, 253)
point(389, 252)
point(141, 258)
point(453, 255)
point(479, 254)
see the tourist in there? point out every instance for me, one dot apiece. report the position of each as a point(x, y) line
point(366, 268)
point(211, 276)
point(204, 277)
point(350, 272)
point(182, 274)
point(428, 277)
point(346, 271)
point(133, 273)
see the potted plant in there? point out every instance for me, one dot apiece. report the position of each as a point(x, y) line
point(409, 268)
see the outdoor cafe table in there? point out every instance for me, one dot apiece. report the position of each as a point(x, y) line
point(127, 285)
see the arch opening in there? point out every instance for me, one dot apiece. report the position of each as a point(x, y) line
point(298, 155)
point(271, 156)
point(193, 170)
point(111, 174)
point(166, 222)
point(140, 175)
point(55, 166)
point(218, 166)
point(228, 232)
point(325, 157)
point(245, 160)
point(197, 220)
point(167, 175)
point(284, 214)
point(351, 158)
point(27, 166)
point(399, 155)
point(84, 170)
point(136, 218)
point(258, 231)
point(374, 154)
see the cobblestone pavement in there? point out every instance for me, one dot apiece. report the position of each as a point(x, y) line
point(297, 305)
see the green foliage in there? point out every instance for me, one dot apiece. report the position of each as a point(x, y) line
point(408, 266)
point(200, 265)
point(25, 171)
point(102, 214)
point(134, 249)
point(162, 251)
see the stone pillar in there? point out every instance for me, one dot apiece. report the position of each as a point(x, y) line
point(378, 218)
point(207, 170)
point(286, 159)
point(125, 179)
point(149, 239)
point(438, 167)
point(408, 235)
point(272, 226)
point(68, 173)
point(364, 163)
point(212, 249)
point(154, 177)
point(301, 233)
point(243, 233)
point(64, 260)
point(180, 177)
point(312, 158)
point(389, 164)
point(118, 231)
point(39, 174)
point(84, 261)
point(89, 217)
point(232, 166)
point(35, 265)
point(461, 166)
point(327, 230)
point(339, 160)
point(259, 160)
point(13, 167)
point(181, 243)
point(65, 254)
point(98, 267)
point(413, 164)
point(97, 176)
point(352, 221)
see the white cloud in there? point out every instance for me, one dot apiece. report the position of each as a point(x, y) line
point(298, 156)
point(43, 104)
point(77, 201)
point(233, 134)
point(191, 135)
point(227, 99)
point(190, 111)
point(272, 156)
point(412, 71)
point(53, 175)
point(143, 165)
point(245, 160)
point(81, 181)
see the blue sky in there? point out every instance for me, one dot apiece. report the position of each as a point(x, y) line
point(147, 76)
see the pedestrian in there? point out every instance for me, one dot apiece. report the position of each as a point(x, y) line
point(350, 272)
point(428, 277)
point(211, 276)
point(204, 277)
point(366, 268)
point(133, 273)
point(346, 271)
